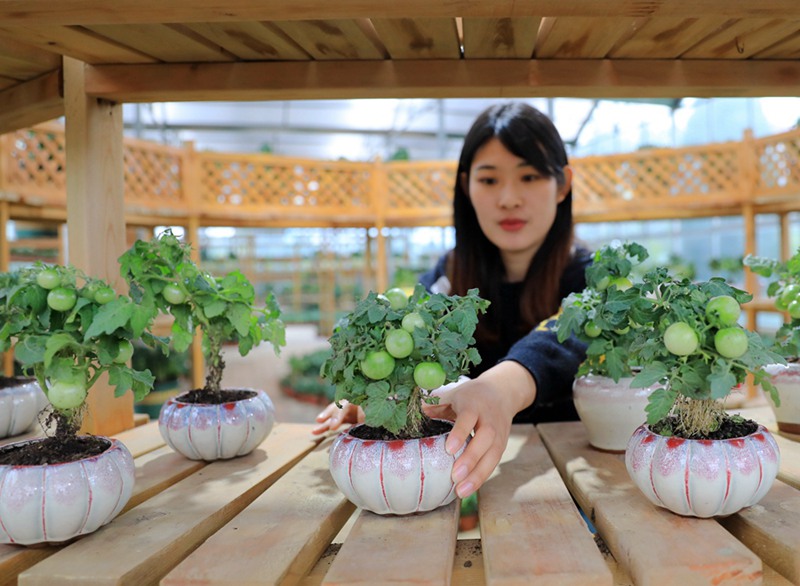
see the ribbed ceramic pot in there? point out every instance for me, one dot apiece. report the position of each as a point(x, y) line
point(610, 411)
point(21, 399)
point(786, 378)
point(393, 477)
point(216, 432)
point(703, 478)
point(58, 502)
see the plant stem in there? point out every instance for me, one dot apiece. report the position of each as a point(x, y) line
point(215, 363)
point(414, 414)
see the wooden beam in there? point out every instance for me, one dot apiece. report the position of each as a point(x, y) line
point(95, 219)
point(595, 78)
point(77, 12)
point(31, 102)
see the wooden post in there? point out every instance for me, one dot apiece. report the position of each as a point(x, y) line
point(785, 227)
point(380, 192)
point(5, 266)
point(95, 216)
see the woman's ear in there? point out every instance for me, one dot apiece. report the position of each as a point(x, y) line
point(564, 188)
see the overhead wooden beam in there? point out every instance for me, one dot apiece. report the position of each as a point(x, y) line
point(31, 102)
point(443, 78)
point(87, 12)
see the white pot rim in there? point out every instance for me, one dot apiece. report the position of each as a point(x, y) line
point(113, 443)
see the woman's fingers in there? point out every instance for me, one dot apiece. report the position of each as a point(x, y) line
point(332, 417)
point(479, 459)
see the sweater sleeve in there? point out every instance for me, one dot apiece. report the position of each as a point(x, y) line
point(435, 280)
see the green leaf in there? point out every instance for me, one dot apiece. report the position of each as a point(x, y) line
point(659, 405)
point(55, 344)
point(215, 308)
point(239, 316)
point(109, 317)
point(30, 350)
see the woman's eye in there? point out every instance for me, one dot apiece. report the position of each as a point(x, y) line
point(487, 180)
point(530, 177)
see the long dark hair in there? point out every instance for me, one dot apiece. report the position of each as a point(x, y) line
point(530, 135)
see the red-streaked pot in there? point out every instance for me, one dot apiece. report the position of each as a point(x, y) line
point(393, 477)
point(58, 502)
point(703, 478)
point(786, 378)
point(209, 432)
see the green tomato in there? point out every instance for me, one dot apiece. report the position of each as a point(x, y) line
point(411, 321)
point(622, 283)
point(104, 295)
point(680, 339)
point(399, 343)
point(173, 294)
point(377, 365)
point(429, 375)
point(48, 279)
point(603, 283)
point(794, 309)
point(124, 352)
point(591, 329)
point(731, 342)
point(397, 298)
point(66, 395)
point(62, 298)
point(790, 293)
point(723, 310)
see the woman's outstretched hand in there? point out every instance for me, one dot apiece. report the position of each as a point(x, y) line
point(332, 417)
point(486, 405)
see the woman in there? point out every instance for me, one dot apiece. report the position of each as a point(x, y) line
point(515, 243)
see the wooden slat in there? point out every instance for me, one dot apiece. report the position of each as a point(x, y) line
point(419, 38)
point(743, 39)
point(142, 545)
point(580, 37)
point(22, 61)
point(31, 102)
point(141, 439)
point(279, 537)
point(498, 38)
point(530, 529)
point(789, 48)
point(331, 39)
point(164, 41)
point(771, 529)
point(687, 550)
point(666, 38)
point(251, 41)
point(370, 556)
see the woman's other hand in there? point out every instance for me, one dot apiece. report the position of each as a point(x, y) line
point(486, 405)
point(332, 417)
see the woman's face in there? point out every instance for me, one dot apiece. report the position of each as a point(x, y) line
point(515, 204)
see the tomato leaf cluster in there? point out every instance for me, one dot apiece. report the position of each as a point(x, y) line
point(162, 276)
point(68, 341)
point(784, 288)
point(442, 328)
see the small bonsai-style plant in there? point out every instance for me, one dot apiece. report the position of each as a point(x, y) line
point(784, 288)
point(697, 349)
point(608, 313)
point(163, 277)
point(67, 330)
point(391, 351)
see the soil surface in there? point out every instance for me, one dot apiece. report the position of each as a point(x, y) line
point(731, 427)
point(430, 428)
point(198, 396)
point(7, 382)
point(53, 450)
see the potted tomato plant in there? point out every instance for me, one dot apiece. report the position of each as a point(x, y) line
point(208, 423)
point(68, 329)
point(692, 456)
point(387, 356)
point(607, 316)
point(784, 289)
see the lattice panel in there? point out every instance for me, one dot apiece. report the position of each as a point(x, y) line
point(420, 187)
point(643, 179)
point(153, 177)
point(302, 186)
point(38, 163)
point(779, 165)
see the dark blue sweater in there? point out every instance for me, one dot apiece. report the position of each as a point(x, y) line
point(552, 364)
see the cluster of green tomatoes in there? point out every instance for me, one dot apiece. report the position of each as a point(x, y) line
point(399, 343)
point(722, 313)
point(788, 299)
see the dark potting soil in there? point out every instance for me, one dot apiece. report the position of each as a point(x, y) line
point(6, 381)
point(53, 450)
point(731, 427)
point(198, 396)
point(430, 428)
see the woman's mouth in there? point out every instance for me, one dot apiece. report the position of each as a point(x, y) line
point(512, 225)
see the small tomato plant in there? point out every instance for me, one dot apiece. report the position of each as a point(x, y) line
point(163, 277)
point(68, 335)
point(390, 352)
point(784, 289)
point(608, 313)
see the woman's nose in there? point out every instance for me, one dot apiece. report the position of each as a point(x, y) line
point(509, 197)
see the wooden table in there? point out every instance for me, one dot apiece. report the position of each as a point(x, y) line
point(275, 517)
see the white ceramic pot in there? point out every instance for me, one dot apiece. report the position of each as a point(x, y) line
point(393, 477)
point(786, 378)
point(58, 502)
point(216, 432)
point(703, 478)
point(20, 402)
point(610, 411)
